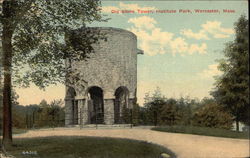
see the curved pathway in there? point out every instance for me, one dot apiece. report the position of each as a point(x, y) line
point(183, 145)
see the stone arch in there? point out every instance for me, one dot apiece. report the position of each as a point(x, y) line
point(121, 101)
point(72, 105)
point(71, 93)
point(95, 105)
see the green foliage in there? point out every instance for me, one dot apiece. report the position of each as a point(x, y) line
point(186, 109)
point(153, 105)
point(212, 115)
point(143, 118)
point(39, 44)
point(136, 114)
point(126, 116)
point(159, 110)
point(34, 47)
point(49, 115)
point(170, 113)
point(232, 88)
point(38, 116)
point(18, 118)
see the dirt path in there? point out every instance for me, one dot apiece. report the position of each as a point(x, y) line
point(184, 145)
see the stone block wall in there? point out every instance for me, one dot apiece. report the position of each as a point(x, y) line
point(112, 65)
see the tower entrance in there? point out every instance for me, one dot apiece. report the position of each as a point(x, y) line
point(95, 105)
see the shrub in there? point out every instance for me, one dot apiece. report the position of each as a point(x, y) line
point(212, 115)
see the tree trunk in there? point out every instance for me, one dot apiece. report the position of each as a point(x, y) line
point(7, 59)
point(237, 124)
point(7, 119)
point(1, 99)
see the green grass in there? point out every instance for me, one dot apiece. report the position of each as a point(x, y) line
point(16, 131)
point(19, 131)
point(203, 131)
point(85, 147)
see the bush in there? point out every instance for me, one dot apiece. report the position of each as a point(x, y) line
point(212, 115)
point(126, 118)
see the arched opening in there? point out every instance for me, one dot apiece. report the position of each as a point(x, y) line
point(121, 104)
point(95, 105)
point(70, 96)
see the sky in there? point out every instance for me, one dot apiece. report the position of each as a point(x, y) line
point(181, 46)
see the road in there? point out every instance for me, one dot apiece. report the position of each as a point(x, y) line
point(183, 145)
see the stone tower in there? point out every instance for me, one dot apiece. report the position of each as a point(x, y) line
point(108, 80)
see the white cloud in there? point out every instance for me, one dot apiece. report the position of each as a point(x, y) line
point(210, 72)
point(143, 22)
point(212, 28)
point(179, 45)
point(155, 41)
point(215, 29)
point(123, 6)
point(196, 48)
point(134, 7)
point(219, 35)
point(190, 34)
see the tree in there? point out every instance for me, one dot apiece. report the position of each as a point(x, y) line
point(232, 88)
point(170, 113)
point(185, 108)
point(55, 110)
point(18, 117)
point(14, 98)
point(210, 114)
point(125, 117)
point(153, 106)
point(136, 114)
point(34, 47)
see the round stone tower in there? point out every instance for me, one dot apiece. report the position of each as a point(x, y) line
point(107, 80)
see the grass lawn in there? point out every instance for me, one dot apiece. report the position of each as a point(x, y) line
point(19, 131)
point(203, 131)
point(85, 147)
point(16, 131)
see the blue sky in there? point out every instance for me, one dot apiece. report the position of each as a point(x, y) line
point(180, 49)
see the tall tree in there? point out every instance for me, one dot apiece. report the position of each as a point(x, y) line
point(33, 43)
point(170, 114)
point(232, 88)
point(153, 105)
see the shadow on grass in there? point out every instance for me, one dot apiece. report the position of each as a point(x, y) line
point(216, 132)
point(85, 147)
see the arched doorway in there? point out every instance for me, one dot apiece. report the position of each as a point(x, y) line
point(121, 103)
point(95, 105)
point(72, 105)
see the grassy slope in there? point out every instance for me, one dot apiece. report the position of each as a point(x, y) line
point(89, 147)
point(203, 131)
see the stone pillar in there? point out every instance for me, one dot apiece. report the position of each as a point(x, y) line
point(109, 111)
point(68, 112)
point(131, 102)
point(85, 112)
point(75, 112)
point(79, 111)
